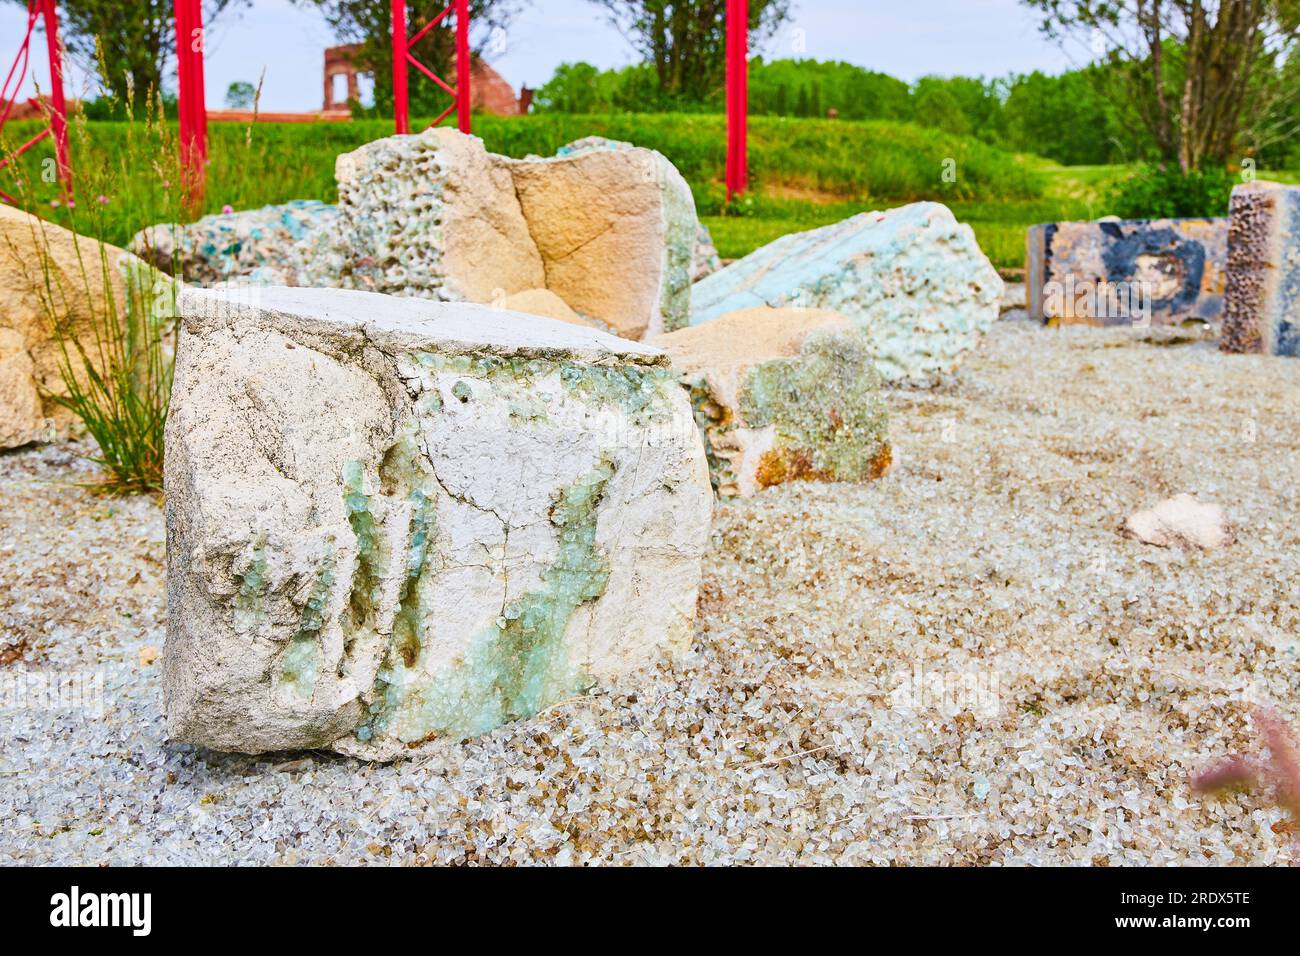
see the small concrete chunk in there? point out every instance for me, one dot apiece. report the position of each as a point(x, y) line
point(392, 521)
point(783, 395)
point(265, 246)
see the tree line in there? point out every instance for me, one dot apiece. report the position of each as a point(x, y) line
point(1074, 117)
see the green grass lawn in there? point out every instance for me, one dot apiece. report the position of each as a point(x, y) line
point(1068, 192)
point(804, 173)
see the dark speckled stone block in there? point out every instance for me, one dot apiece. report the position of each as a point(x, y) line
point(1262, 303)
point(1180, 264)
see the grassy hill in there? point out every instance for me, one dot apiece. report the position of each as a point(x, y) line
point(804, 172)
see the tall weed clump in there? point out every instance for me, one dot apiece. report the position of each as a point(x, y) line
point(111, 315)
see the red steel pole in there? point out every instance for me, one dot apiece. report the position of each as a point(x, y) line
point(743, 30)
point(401, 116)
point(737, 96)
point(58, 106)
point(462, 65)
point(184, 104)
point(193, 111)
point(199, 37)
point(180, 13)
point(402, 58)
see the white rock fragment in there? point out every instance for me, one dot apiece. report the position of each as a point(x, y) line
point(391, 520)
point(1180, 521)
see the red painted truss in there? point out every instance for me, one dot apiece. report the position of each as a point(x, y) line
point(403, 57)
point(56, 109)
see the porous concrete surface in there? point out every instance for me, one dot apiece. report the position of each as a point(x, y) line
point(913, 278)
point(1087, 674)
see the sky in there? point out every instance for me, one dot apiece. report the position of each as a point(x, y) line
point(907, 40)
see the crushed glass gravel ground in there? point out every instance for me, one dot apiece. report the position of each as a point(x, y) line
point(963, 663)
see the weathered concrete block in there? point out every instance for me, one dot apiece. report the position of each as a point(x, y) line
point(616, 228)
point(1262, 308)
point(1120, 272)
point(704, 258)
point(392, 520)
point(913, 278)
point(265, 245)
point(783, 395)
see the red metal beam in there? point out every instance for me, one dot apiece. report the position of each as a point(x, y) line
point(434, 77)
point(191, 105)
point(403, 57)
point(737, 97)
point(427, 27)
point(57, 109)
point(401, 115)
point(462, 65)
point(58, 106)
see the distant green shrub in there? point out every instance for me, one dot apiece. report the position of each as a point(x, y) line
point(1166, 192)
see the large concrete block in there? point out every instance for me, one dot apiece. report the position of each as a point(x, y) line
point(1120, 272)
point(1262, 310)
point(392, 520)
point(913, 278)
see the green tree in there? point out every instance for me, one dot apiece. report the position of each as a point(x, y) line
point(935, 105)
point(241, 95)
point(1066, 118)
point(855, 93)
point(1190, 70)
point(572, 88)
point(1273, 137)
point(685, 40)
